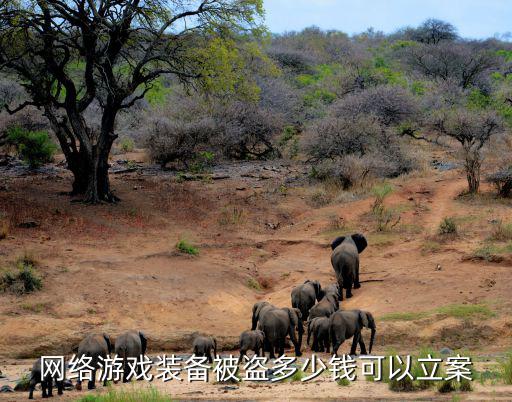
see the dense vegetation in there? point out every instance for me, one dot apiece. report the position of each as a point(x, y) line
point(355, 106)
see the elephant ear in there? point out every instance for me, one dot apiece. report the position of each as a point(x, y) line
point(363, 318)
point(360, 242)
point(336, 242)
point(143, 342)
point(109, 344)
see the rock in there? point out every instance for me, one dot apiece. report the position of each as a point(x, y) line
point(446, 351)
point(439, 267)
point(227, 388)
point(28, 224)
point(68, 385)
point(6, 389)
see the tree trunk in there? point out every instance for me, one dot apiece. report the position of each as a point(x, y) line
point(98, 183)
point(473, 173)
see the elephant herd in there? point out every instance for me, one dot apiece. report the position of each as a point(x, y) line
point(318, 307)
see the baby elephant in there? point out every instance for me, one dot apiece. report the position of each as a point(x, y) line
point(346, 324)
point(130, 344)
point(94, 346)
point(46, 383)
point(252, 340)
point(203, 346)
point(319, 329)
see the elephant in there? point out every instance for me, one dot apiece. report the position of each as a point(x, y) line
point(46, 383)
point(305, 296)
point(276, 323)
point(130, 344)
point(203, 347)
point(328, 305)
point(319, 328)
point(349, 323)
point(258, 310)
point(345, 261)
point(94, 346)
point(252, 340)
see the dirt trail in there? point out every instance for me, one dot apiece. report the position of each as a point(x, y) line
point(112, 268)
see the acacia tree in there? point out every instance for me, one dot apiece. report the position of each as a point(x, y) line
point(75, 55)
point(472, 129)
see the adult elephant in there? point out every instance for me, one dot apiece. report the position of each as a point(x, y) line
point(329, 303)
point(277, 323)
point(349, 323)
point(130, 344)
point(305, 296)
point(93, 346)
point(345, 261)
point(318, 328)
point(258, 310)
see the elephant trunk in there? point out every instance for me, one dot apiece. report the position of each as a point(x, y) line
point(371, 340)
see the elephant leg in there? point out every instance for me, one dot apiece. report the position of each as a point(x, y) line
point(272, 353)
point(357, 284)
point(92, 382)
point(355, 341)
point(78, 385)
point(50, 387)
point(60, 387)
point(44, 388)
point(210, 358)
point(335, 346)
point(281, 347)
point(31, 389)
point(242, 354)
point(362, 346)
point(348, 288)
point(326, 344)
point(266, 346)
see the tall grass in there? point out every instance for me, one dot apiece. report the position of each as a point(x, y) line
point(506, 369)
point(134, 395)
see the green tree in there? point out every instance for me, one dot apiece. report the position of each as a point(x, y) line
point(73, 56)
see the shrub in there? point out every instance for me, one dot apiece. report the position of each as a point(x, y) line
point(22, 279)
point(445, 386)
point(253, 284)
point(502, 231)
point(502, 181)
point(134, 395)
point(127, 144)
point(34, 147)
point(343, 382)
point(184, 246)
point(506, 369)
point(177, 141)
point(447, 226)
point(383, 215)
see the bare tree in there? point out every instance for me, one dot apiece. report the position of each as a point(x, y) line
point(472, 129)
point(466, 63)
point(71, 54)
point(433, 31)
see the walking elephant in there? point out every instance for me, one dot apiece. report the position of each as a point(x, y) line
point(277, 323)
point(203, 347)
point(130, 344)
point(252, 340)
point(345, 261)
point(46, 382)
point(319, 328)
point(94, 346)
point(329, 303)
point(349, 323)
point(305, 296)
point(258, 310)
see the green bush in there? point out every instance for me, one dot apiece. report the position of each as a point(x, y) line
point(445, 386)
point(506, 369)
point(34, 147)
point(127, 144)
point(447, 226)
point(184, 246)
point(22, 279)
point(135, 395)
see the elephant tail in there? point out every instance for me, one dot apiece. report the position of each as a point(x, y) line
point(309, 332)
